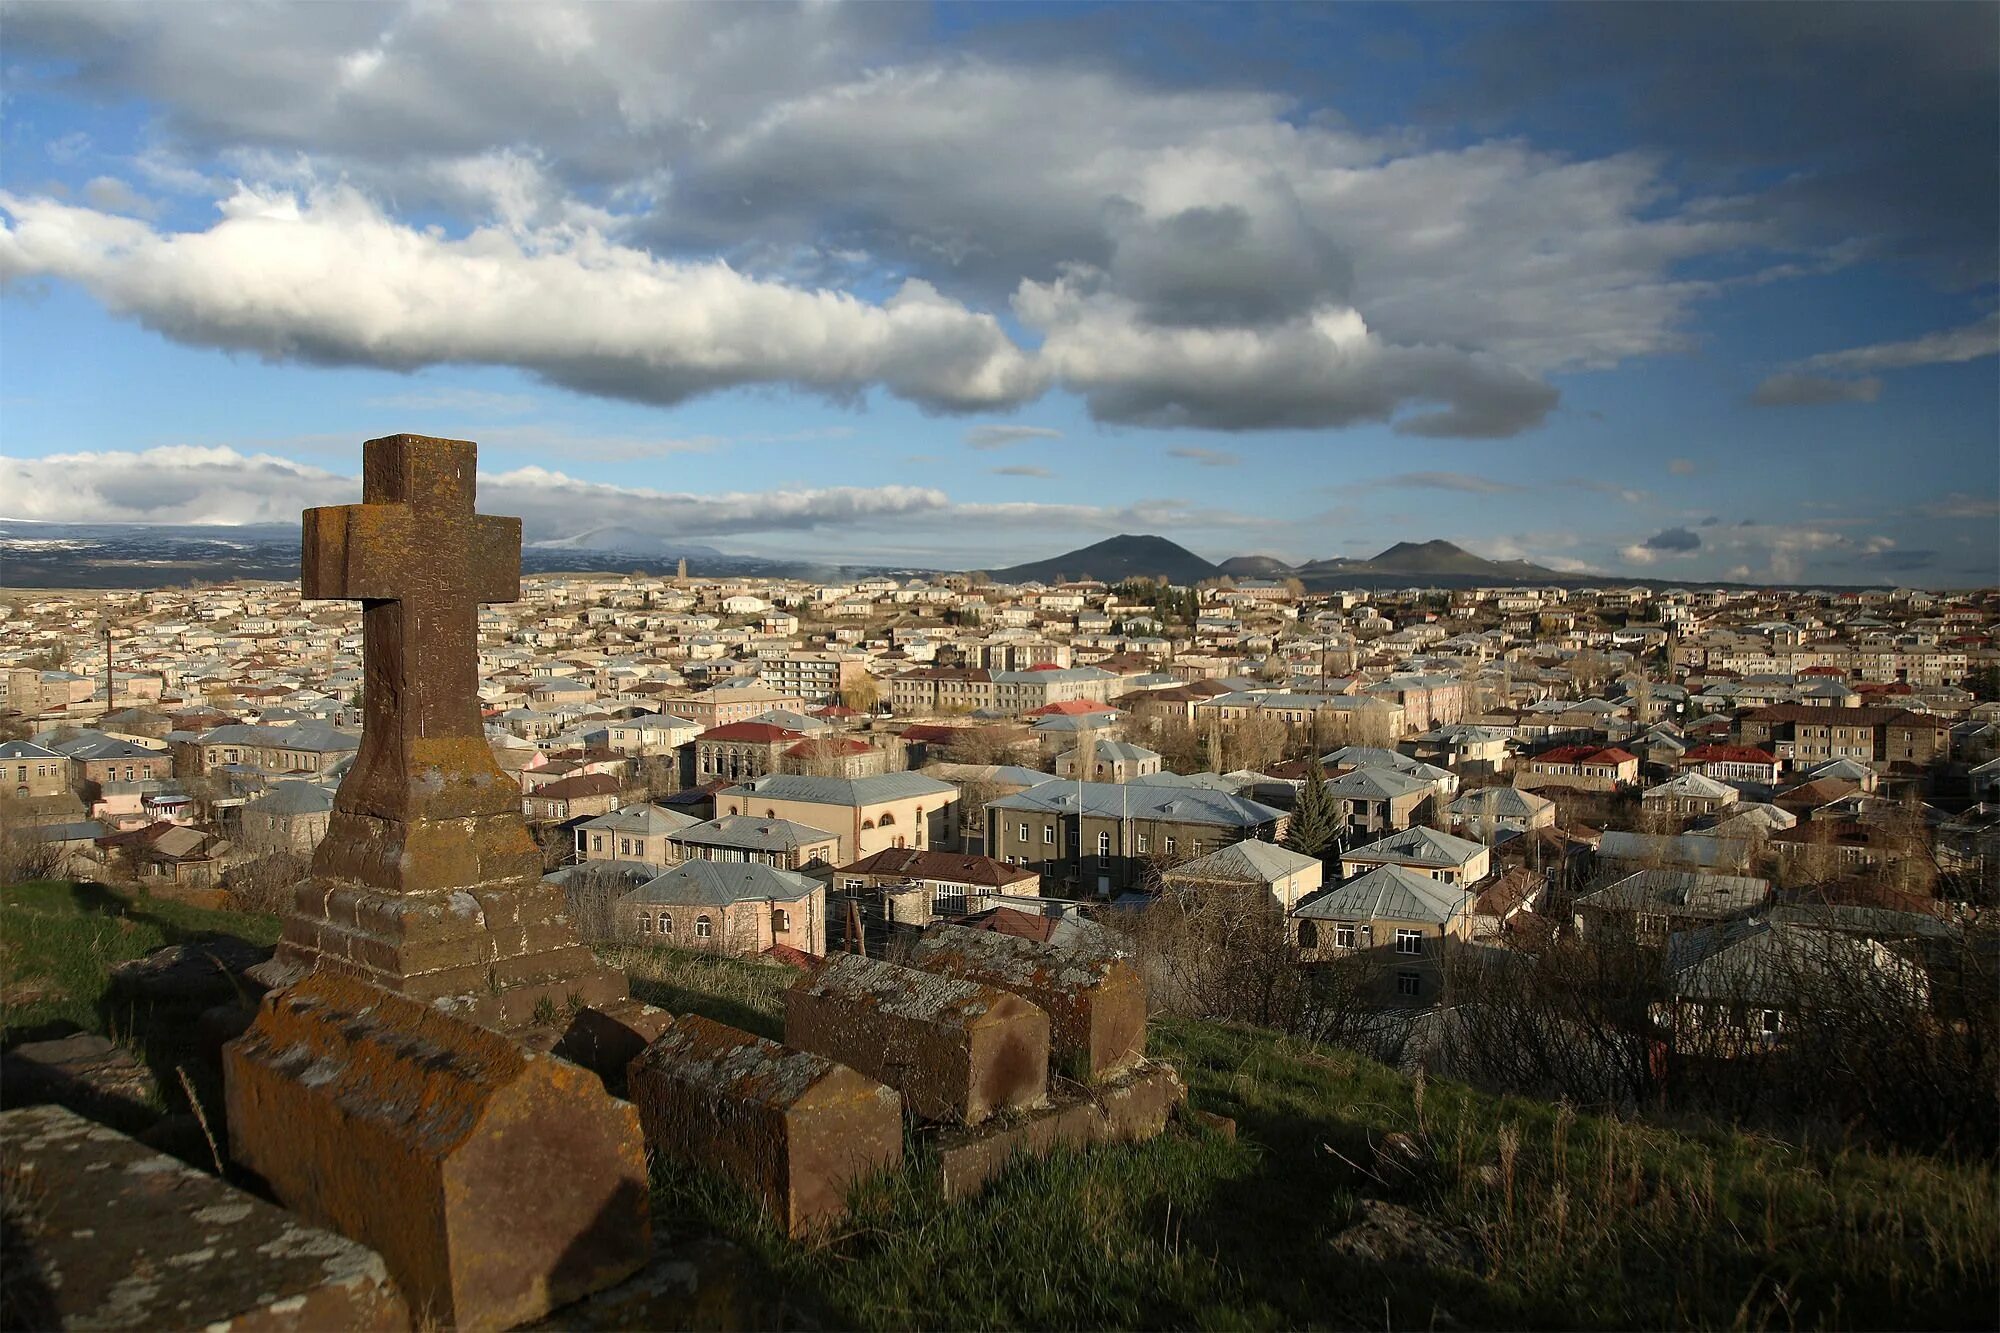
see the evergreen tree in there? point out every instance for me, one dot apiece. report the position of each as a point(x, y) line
point(1315, 828)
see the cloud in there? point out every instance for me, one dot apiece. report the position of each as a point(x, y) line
point(1967, 342)
point(202, 485)
point(1188, 255)
point(1667, 543)
point(999, 437)
point(1205, 457)
point(328, 278)
point(1022, 470)
point(1681, 467)
point(1448, 481)
point(1629, 494)
point(1961, 504)
point(115, 196)
point(1796, 389)
point(1327, 371)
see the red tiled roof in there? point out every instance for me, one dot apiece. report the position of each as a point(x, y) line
point(1727, 754)
point(829, 746)
point(944, 867)
point(790, 957)
point(1070, 708)
point(1007, 921)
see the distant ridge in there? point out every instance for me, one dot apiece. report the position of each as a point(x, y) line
point(1255, 567)
point(1113, 559)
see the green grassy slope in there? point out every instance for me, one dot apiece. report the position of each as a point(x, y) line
point(1568, 1220)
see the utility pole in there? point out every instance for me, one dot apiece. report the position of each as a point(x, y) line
point(109, 689)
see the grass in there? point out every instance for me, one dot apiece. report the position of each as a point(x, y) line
point(59, 938)
point(1569, 1220)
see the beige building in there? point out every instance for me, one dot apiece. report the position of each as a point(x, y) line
point(1286, 876)
point(30, 770)
point(638, 832)
point(866, 815)
point(1435, 855)
point(1107, 837)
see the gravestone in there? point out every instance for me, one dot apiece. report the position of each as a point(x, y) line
point(427, 882)
point(495, 1182)
point(956, 1050)
point(795, 1129)
point(103, 1232)
point(1095, 1000)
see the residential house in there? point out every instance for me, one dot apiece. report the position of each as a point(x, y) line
point(1279, 874)
point(1111, 761)
point(1490, 814)
point(1110, 836)
point(867, 814)
point(29, 770)
point(1395, 918)
point(1687, 796)
point(834, 756)
point(570, 798)
point(639, 832)
point(1731, 763)
point(1441, 856)
point(1651, 905)
point(289, 816)
point(1374, 801)
point(1579, 768)
point(924, 886)
point(738, 908)
point(1805, 736)
point(781, 843)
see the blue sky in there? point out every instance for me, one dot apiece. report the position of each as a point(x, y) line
point(1682, 291)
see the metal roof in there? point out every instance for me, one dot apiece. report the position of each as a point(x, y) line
point(1388, 892)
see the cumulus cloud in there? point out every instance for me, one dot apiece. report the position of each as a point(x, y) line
point(1189, 256)
point(999, 437)
point(328, 277)
point(216, 485)
point(1326, 371)
point(1796, 389)
point(1205, 457)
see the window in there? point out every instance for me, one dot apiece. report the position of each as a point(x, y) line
point(1409, 941)
point(704, 926)
point(1308, 934)
point(1024, 833)
point(666, 923)
point(1104, 844)
point(1170, 846)
point(1048, 835)
point(1408, 984)
point(886, 821)
point(1144, 841)
point(1343, 935)
point(780, 919)
point(645, 923)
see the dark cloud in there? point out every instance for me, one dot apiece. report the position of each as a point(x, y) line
point(1795, 389)
point(1673, 539)
point(1879, 116)
point(1710, 521)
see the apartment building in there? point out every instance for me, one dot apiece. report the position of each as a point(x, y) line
point(1112, 837)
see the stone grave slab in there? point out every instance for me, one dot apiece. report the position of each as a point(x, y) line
point(957, 1051)
point(605, 1040)
point(497, 1184)
point(114, 1235)
point(89, 1074)
point(795, 1129)
point(1095, 1000)
point(1130, 1106)
point(427, 882)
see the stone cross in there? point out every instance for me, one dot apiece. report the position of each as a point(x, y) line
point(420, 561)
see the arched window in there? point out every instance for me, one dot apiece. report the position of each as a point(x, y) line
point(780, 919)
point(645, 923)
point(887, 820)
point(1309, 934)
point(867, 823)
point(770, 814)
point(666, 923)
point(899, 842)
point(704, 926)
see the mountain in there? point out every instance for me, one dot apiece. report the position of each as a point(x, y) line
point(1438, 563)
point(1113, 559)
point(139, 555)
point(1255, 567)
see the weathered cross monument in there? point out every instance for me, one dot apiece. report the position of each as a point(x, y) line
point(427, 882)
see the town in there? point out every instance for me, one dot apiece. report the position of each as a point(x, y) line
point(1401, 778)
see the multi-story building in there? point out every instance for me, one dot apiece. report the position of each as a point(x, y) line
point(817, 677)
point(1804, 736)
point(867, 815)
point(1109, 837)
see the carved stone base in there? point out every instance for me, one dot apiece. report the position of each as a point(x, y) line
point(491, 954)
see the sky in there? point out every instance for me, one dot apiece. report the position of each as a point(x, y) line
point(1677, 291)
